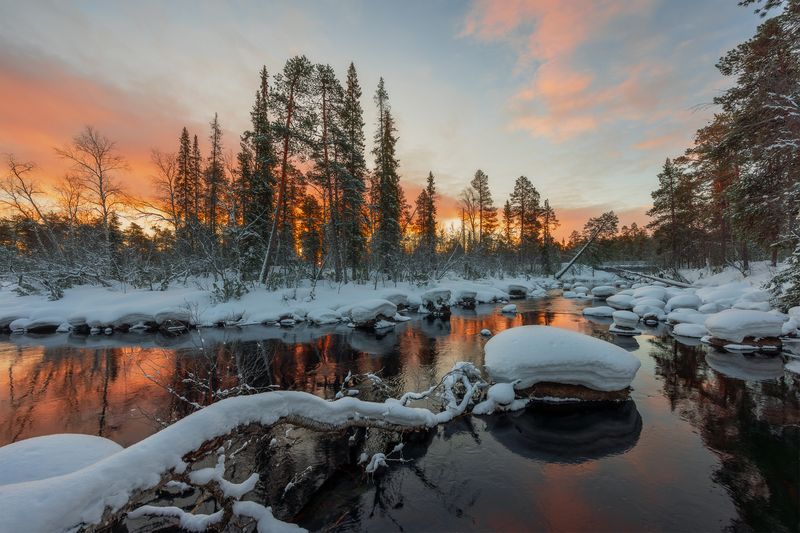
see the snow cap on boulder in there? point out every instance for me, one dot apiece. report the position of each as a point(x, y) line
point(534, 354)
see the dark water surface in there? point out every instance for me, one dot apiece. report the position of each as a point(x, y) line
point(693, 450)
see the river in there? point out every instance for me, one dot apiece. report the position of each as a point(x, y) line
point(708, 441)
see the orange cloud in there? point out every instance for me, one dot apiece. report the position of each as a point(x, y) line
point(43, 105)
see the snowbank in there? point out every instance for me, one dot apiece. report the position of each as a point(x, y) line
point(51, 455)
point(736, 324)
point(534, 354)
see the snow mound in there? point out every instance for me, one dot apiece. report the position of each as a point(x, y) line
point(650, 292)
point(689, 316)
point(694, 331)
point(602, 310)
point(51, 455)
point(621, 301)
point(686, 301)
point(603, 291)
point(364, 311)
point(736, 324)
point(626, 319)
point(436, 296)
point(322, 315)
point(651, 302)
point(533, 354)
point(510, 308)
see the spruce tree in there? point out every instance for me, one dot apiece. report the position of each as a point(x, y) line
point(354, 170)
point(214, 178)
point(526, 210)
point(184, 190)
point(260, 184)
point(390, 199)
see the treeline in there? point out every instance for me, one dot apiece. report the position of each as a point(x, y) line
point(733, 195)
point(296, 200)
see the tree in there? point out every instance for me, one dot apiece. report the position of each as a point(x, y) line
point(390, 200)
point(426, 220)
point(674, 213)
point(353, 172)
point(291, 126)
point(184, 182)
point(549, 223)
point(259, 182)
point(525, 209)
point(764, 107)
point(487, 212)
point(95, 160)
point(214, 179)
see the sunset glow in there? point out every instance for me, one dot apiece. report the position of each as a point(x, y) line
point(584, 101)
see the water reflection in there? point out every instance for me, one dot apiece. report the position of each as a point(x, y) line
point(568, 434)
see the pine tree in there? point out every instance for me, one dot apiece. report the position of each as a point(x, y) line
point(508, 224)
point(260, 184)
point(487, 212)
point(354, 170)
point(426, 220)
point(292, 128)
point(311, 231)
point(184, 190)
point(196, 215)
point(214, 178)
point(390, 200)
point(525, 209)
point(549, 223)
point(674, 213)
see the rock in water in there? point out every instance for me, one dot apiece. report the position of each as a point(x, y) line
point(537, 354)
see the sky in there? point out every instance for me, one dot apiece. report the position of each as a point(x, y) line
point(585, 98)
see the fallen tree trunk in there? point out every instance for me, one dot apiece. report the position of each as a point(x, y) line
point(654, 278)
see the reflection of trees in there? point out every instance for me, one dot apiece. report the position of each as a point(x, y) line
point(754, 427)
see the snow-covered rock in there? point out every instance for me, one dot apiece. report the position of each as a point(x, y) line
point(647, 310)
point(368, 310)
point(689, 316)
point(510, 308)
point(626, 319)
point(685, 301)
point(651, 302)
point(602, 310)
point(570, 294)
point(603, 291)
point(736, 324)
point(710, 308)
point(51, 455)
point(323, 315)
point(436, 296)
point(534, 354)
point(694, 331)
point(650, 292)
point(486, 333)
point(580, 289)
point(500, 397)
point(397, 297)
point(749, 305)
point(620, 301)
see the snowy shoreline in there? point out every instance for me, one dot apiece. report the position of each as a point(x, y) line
point(101, 309)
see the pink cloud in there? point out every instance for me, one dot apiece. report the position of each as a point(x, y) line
point(562, 101)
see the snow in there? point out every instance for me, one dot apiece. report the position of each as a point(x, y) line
point(323, 315)
point(695, 331)
point(650, 302)
point(536, 354)
point(602, 310)
point(510, 308)
point(650, 291)
point(736, 324)
point(486, 333)
point(626, 319)
point(364, 311)
point(500, 397)
point(436, 296)
point(603, 291)
point(650, 311)
point(80, 497)
point(51, 455)
point(793, 366)
point(623, 330)
point(580, 289)
point(685, 301)
point(621, 301)
point(690, 316)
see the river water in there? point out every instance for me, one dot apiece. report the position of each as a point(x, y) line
point(708, 441)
